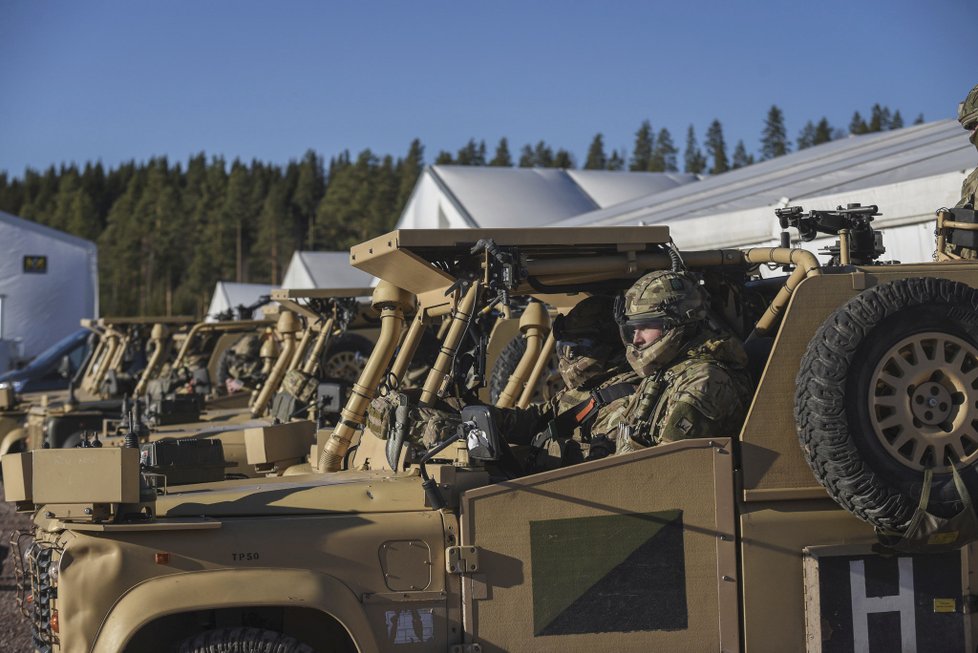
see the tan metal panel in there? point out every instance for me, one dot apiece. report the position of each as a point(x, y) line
point(17, 478)
point(505, 521)
point(277, 442)
point(773, 465)
point(773, 539)
point(106, 475)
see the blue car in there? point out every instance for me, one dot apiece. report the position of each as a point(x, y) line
point(53, 368)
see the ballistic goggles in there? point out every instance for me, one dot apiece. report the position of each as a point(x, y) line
point(628, 328)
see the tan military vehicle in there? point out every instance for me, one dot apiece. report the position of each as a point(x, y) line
point(741, 542)
point(314, 352)
point(114, 361)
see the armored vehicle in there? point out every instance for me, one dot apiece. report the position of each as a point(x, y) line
point(52, 368)
point(739, 542)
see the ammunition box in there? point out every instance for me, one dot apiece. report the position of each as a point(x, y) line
point(88, 475)
point(963, 237)
point(17, 477)
point(184, 461)
point(182, 409)
point(279, 442)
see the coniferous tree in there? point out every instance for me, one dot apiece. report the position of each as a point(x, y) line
point(543, 156)
point(273, 244)
point(563, 159)
point(472, 154)
point(616, 161)
point(896, 122)
point(879, 119)
point(664, 153)
point(823, 132)
point(596, 158)
point(409, 169)
point(774, 137)
point(740, 157)
point(502, 158)
point(644, 146)
point(444, 158)
point(806, 138)
point(527, 158)
point(857, 125)
point(693, 159)
point(716, 148)
point(308, 192)
point(919, 120)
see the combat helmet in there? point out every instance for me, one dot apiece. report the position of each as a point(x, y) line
point(671, 301)
point(584, 341)
point(968, 114)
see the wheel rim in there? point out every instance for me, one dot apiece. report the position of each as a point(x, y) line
point(345, 366)
point(923, 401)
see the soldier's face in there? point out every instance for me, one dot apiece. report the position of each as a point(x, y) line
point(645, 336)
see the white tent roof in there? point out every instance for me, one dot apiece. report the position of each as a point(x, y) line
point(480, 196)
point(324, 270)
point(38, 308)
point(231, 294)
point(831, 169)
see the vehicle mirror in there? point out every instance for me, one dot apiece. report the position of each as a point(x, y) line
point(64, 367)
point(482, 438)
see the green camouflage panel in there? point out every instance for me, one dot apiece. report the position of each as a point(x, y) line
point(425, 425)
point(300, 385)
point(676, 297)
point(705, 392)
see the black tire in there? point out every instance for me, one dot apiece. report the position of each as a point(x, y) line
point(550, 382)
point(345, 358)
point(243, 640)
point(866, 417)
point(72, 440)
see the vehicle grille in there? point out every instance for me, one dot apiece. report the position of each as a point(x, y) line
point(36, 587)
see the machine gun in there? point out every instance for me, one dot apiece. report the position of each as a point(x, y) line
point(858, 244)
point(242, 311)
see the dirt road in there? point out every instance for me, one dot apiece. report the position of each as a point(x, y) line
point(15, 634)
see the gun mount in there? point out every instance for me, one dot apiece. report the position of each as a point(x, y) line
point(858, 244)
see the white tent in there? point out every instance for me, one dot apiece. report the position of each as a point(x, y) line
point(324, 270)
point(478, 196)
point(48, 282)
point(909, 173)
point(230, 294)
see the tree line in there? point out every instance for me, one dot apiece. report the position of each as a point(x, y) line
point(167, 232)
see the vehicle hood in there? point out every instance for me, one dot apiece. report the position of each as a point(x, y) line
point(340, 492)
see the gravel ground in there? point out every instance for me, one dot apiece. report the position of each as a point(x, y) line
point(14, 631)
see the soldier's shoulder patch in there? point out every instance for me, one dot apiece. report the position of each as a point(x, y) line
point(684, 425)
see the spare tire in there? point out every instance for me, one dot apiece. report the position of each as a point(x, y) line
point(345, 358)
point(887, 388)
point(549, 384)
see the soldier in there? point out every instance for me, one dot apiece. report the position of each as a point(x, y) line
point(968, 117)
point(579, 422)
point(694, 381)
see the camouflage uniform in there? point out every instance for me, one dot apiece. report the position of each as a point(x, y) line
point(695, 382)
point(244, 362)
point(590, 360)
point(968, 117)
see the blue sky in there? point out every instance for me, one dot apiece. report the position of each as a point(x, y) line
point(83, 81)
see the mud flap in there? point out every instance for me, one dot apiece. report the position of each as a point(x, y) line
point(859, 600)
